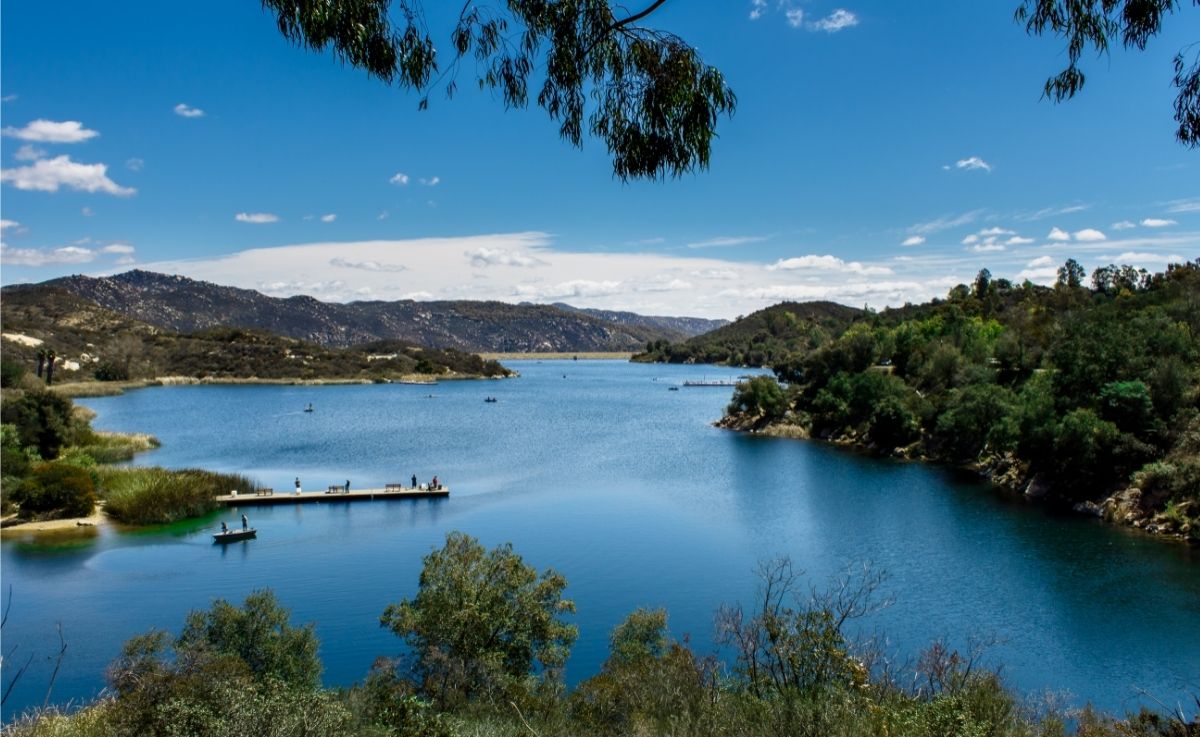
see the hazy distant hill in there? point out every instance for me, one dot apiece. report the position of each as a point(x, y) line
point(185, 305)
point(91, 341)
point(682, 327)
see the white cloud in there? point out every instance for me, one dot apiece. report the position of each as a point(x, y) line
point(913, 240)
point(29, 152)
point(1188, 205)
point(987, 248)
point(1017, 240)
point(1040, 261)
point(122, 248)
point(40, 257)
point(838, 20)
point(727, 241)
point(1049, 212)
point(49, 131)
point(47, 175)
point(399, 178)
point(383, 215)
point(973, 163)
point(573, 289)
point(367, 265)
point(329, 218)
point(1123, 225)
point(431, 182)
point(6, 224)
point(720, 274)
point(183, 111)
point(813, 262)
point(995, 231)
point(87, 212)
point(1156, 258)
point(258, 218)
point(972, 238)
point(134, 164)
point(8, 98)
point(1158, 222)
point(756, 8)
point(795, 17)
point(945, 222)
point(483, 257)
point(1089, 235)
point(1057, 234)
point(1043, 275)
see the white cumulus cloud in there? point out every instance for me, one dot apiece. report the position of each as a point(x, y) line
point(257, 218)
point(41, 257)
point(1158, 222)
point(50, 131)
point(973, 163)
point(813, 262)
point(329, 218)
point(29, 152)
point(838, 20)
point(913, 240)
point(1123, 225)
point(483, 256)
point(1058, 234)
point(399, 178)
point(184, 111)
point(1017, 240)
point(48, 175)
point(1089, 235)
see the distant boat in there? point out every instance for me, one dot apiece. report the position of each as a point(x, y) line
point(309, 408)
point(232, 536)
point(490, 399)
point(672, 388)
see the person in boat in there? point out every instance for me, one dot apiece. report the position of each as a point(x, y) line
point(224, 528)
point(245, 523)
point(297, 484)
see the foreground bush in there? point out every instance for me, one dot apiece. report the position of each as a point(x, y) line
point(56, 490)
point(143, 496)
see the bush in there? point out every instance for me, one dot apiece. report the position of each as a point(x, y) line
point(57, 490)
point(11, 373)
point(146, 496)
point(760, 396)
point(43, 420)
point(111, 372)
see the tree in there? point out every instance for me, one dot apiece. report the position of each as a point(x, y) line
point(655, 103)
point(483, 625)
point(1070, 275)
point(57, 490)
point(43, 421)
point(760, 396)
point(258, 634)
point(1098, 24)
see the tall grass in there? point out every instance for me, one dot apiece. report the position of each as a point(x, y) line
point(147, 496)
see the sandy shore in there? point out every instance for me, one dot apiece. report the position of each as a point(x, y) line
point(96, 519)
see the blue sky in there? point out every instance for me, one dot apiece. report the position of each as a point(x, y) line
point(881, 152)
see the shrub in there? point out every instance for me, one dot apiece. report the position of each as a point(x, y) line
point(43, 420)
point(10, 373)
point(111, 372)
point(143, 496)
point(56, 490)
point(760, 396)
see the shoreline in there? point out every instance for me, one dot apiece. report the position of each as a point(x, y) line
point(559, 356)
point(116, 388)
point(1004, 474)
point(95, 521)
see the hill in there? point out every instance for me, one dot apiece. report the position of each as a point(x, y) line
point(673, 328)
point(185, 305)
point(91, 341)
point(762, 338)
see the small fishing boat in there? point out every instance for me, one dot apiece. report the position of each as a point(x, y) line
point(232, 536)
point(672, 388)
point(309, 408)
point(490, 399)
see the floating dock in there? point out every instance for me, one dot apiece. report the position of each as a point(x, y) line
point(316, 497)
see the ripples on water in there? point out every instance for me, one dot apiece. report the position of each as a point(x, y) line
point(628, 490)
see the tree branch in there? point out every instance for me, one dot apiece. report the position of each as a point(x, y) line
point(637, 16)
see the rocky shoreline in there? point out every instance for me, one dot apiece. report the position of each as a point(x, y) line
point(1127, 507)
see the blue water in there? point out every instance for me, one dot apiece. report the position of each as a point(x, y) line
point(597, 470)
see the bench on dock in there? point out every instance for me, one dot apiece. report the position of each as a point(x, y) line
point(264, 492)
point(336, 489)
point(393, 487)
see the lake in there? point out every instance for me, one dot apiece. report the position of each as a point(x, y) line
point(597, 469)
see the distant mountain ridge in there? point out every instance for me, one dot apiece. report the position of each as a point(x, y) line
point(185, 305)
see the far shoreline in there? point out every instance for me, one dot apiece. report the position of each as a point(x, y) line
point(560, 356)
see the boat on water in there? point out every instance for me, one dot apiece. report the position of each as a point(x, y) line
point(672, 388)
point(490, 399)
point(309, 408)
point(232, 536)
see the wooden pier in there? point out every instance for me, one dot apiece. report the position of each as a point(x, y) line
point(266, 496)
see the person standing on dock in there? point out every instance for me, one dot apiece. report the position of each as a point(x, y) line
point(245, 522)
point(414, 480)
point(347, 486)
point(297, 484)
